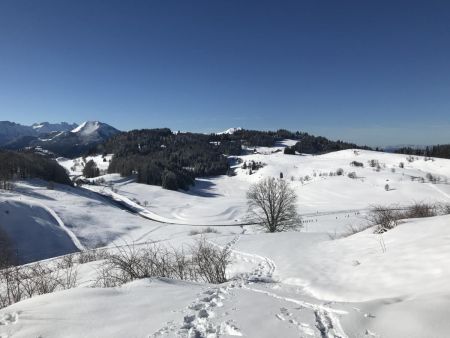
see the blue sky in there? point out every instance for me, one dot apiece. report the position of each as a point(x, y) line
point(373, 72)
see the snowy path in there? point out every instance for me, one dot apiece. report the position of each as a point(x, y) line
point(209, 316)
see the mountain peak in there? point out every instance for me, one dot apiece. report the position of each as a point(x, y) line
point(94, 129)
point(229, 131)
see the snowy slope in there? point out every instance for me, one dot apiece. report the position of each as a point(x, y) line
point(331, 203)
point(281, 285)
point(34, 230)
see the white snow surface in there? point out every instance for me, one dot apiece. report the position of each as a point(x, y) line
point(292, 284)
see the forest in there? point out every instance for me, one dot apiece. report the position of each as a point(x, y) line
point(442, 151)
point(24, 165)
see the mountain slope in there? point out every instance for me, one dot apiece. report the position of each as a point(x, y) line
point(46, 127)
point(62, 139)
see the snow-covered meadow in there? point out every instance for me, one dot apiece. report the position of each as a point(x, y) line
point(308, 283)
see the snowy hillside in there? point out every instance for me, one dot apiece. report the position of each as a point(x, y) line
point(308, 283)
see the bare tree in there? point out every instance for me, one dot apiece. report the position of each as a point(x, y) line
point(271, 203)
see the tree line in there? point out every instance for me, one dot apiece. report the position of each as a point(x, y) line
point(25, 165)
point(310, 144)
point(440, 150)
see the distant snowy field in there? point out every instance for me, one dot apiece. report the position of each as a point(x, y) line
point(313, 286)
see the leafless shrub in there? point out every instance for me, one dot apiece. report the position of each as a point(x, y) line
point(207, 230)
point(90, 256)
point(383, 218)
point(210, 262)
point(22, 282)
point(201, 262)
point(420, 209)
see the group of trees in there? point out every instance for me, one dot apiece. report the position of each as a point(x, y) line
point(442, 151)
point(160, 157)
point(24, 165)
point(310, 144)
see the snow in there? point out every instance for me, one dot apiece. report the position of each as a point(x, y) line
point(36, 231)
point(298, 283)
point(229, 131)
point(91, 128)
point(75, 166)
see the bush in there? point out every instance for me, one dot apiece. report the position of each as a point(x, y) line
point(383, 219)
point(203, 262)
point(420, 209)
point(340, 172)
point(207, 230)
point(373, 163)
point(352, 175)
point(19, 283)
point(356, 164)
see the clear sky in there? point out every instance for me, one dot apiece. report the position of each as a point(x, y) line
point(373, 72)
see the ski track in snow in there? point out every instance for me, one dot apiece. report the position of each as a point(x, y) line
point(440, 190)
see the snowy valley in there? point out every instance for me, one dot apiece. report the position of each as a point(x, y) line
point(332, 277)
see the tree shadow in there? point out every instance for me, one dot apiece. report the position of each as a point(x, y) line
point(202, 188)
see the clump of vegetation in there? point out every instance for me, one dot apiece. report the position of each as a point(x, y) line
point(352, 175)
point(22, 282)
point(356, 164)
point(91, 170)
point(207, 230)
point(202, 262)
point(384, 218)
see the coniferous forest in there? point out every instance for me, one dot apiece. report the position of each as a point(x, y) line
point(24, 165)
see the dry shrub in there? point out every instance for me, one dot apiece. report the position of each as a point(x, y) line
point(21, 282)
point(202, 261)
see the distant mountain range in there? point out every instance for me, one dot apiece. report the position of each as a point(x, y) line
point(62, 139)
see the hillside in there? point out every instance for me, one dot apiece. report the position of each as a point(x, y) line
point(288, 284)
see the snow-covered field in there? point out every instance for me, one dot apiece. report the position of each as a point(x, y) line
point(292, 284)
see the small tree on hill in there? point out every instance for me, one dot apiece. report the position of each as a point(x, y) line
point(271, 204)
point(91, 170)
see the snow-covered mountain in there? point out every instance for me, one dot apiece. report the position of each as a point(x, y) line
point(94, 130)
point(229, 131)
point(62, 139)
point(10, 131)
point(46, 127)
